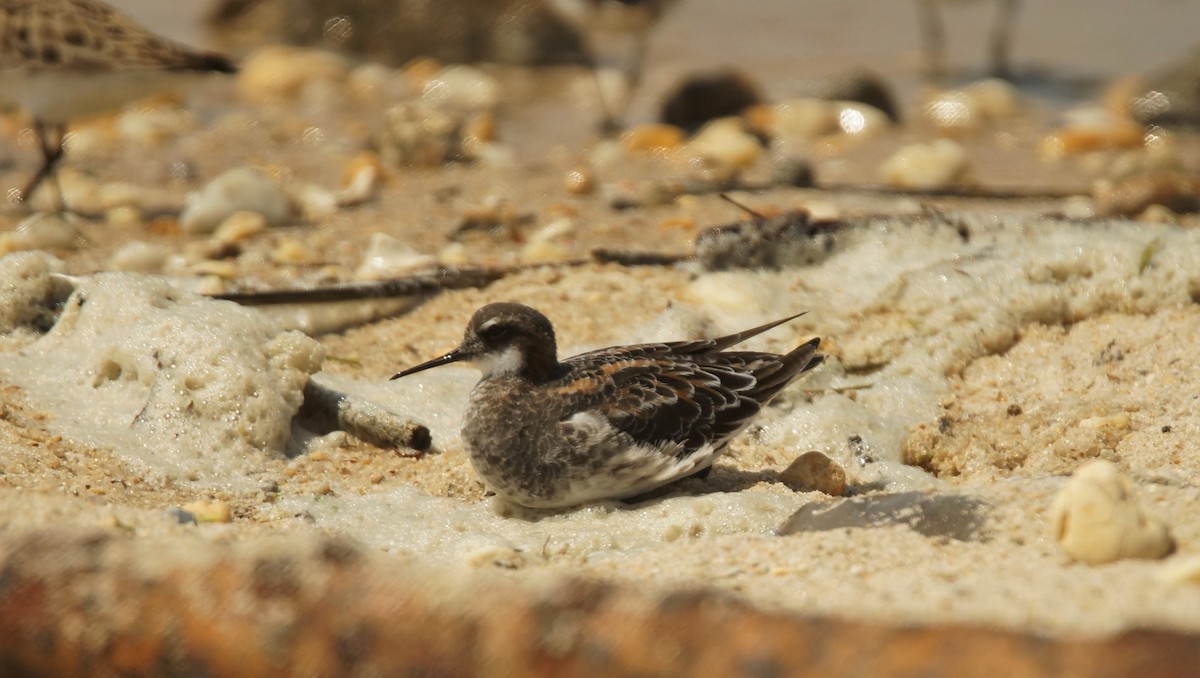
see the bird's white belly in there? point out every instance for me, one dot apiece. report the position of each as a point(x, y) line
point(59, 97)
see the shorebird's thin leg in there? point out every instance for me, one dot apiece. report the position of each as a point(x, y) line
point(610, 124)
point(50, 138)
point(933, 39)
point(1002, 37)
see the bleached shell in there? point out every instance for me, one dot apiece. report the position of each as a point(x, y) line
point(1098, 520)
point(243, 189)
point(934, 165)
point(389, 257)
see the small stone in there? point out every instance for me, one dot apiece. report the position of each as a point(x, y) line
point(243, 189)
point(1092, 129)
point(280, 74)
point(562, 227)
point(725, 142)
point(579, 181)
point(708, 96)
point(215, 511)
point(139, 256)
point(389, 257)
point(240, 226)
point(1120, 421)
point(544, 251)
point(1097, 519)
point(361, 179)
point(860, 121)
point(930, 166)
point(805, 119)
point(652, 138)
point(226, 270)
point(317, 203)
point(125, 216)
point(813, 471)
point(292, 251)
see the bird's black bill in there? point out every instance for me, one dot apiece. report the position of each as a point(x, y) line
point(451, 357)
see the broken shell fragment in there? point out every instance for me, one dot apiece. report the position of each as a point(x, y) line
point(1098, 520)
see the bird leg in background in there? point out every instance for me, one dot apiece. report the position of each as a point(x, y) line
point(50, 139)
point(933, 39)
point(1002, 29)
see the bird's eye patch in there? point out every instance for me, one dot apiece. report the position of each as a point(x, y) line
point(494, 331)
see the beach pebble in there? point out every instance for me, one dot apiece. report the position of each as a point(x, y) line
point(215, 511)
point(544, 251)
point(1097, 519)
point(934, 165)
point(316, 203)
point(389, 257)
point(125, 216)
point(805, 119)
point(240, 189)
point(860, 121)
point(462, 88)
point(726, 143)
point(652, 138)
point(579, 181)
point(361, 179)
point(1092, 129)
point(293, 251)
point(972, 107)
point(139, 256)
point(813, 471)
point(279, 74)
point(240, 226)
point(42, 231)
point(708, 96)
point(1134, 195)
point(225, 270)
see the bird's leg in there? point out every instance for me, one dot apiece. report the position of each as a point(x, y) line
point(50, 139)
point(610, 124)
point(627, 53)
point(1002, 37)
point(933, 39)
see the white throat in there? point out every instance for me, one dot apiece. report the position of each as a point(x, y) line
point(508, 361)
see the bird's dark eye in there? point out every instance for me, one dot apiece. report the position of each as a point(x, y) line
point(494, 332)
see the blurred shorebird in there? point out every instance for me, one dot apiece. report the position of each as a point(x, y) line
point(606, 424)
point(67, 59)
point(933, 37)
point(617, 35)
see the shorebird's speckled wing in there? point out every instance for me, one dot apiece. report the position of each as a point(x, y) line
point(83, 36)
point(683, 393)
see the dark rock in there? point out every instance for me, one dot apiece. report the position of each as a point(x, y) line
point(707, 96)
